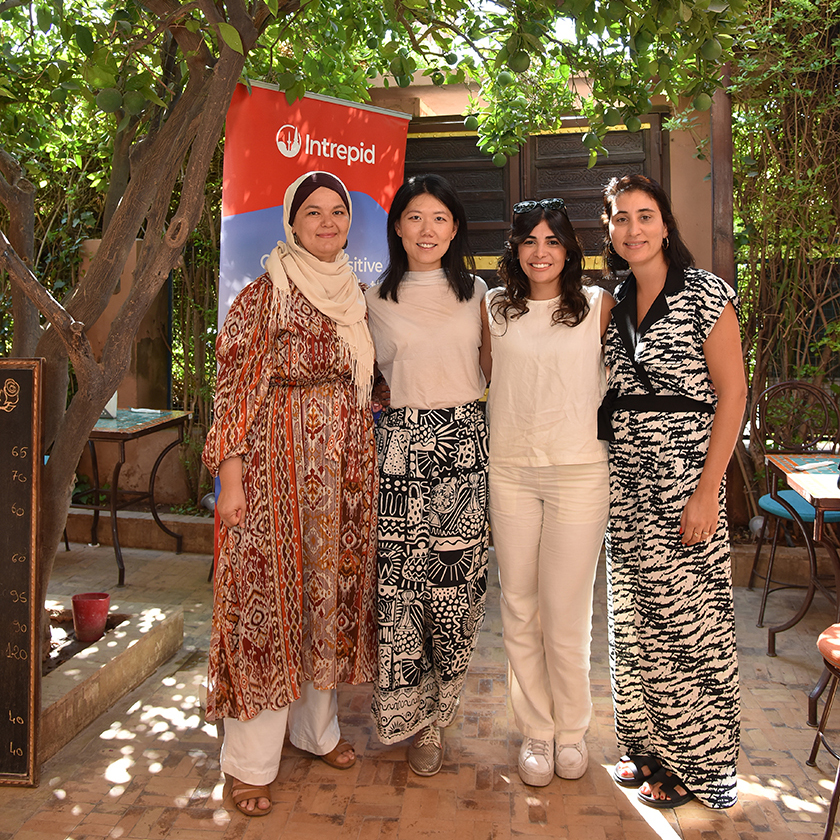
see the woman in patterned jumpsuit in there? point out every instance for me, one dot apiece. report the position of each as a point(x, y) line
point(675, 402)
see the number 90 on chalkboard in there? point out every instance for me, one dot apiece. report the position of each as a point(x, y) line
point(20, 654)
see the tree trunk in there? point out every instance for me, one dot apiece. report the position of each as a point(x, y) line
point(186, 140)
point(17, 195)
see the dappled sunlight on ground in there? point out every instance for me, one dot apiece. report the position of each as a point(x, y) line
point(149, 768)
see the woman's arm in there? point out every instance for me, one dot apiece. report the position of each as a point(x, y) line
point(722, 350)
point(607, 304)
point(485, 358)
point(231, 502)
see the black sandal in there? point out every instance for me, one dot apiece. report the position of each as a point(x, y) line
point(639, 777)
point(668, 783)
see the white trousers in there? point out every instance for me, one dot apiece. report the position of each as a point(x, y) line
point(251, 749)
point(548, 525)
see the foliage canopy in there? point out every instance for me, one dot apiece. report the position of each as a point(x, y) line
point(68, 65)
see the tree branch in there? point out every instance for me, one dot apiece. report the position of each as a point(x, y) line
point(70, 330)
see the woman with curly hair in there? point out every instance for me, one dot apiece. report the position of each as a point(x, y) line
point(549, 487)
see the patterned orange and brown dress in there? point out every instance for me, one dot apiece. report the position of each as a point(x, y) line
point(295, 583)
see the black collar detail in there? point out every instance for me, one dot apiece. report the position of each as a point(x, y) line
point(624, 313)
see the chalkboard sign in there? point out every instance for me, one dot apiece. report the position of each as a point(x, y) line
point(20, 650)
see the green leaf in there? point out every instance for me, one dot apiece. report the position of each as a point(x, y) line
point(84, 38)
point(44, 18)
point(230, 35)
point(98, 76)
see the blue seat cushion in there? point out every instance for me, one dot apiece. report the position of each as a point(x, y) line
point(803, 508)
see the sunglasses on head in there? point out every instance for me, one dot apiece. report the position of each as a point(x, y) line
point(546, 203)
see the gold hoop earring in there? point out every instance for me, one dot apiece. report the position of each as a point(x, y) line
point(666, 244)
point(612, 249)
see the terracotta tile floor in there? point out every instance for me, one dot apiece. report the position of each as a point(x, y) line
point(149, 767)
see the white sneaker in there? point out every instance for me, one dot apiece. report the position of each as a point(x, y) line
point(571, 760)
point(535, 765)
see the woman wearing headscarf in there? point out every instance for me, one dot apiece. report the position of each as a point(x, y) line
point(292, 444)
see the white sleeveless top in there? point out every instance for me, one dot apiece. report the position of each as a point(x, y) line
point(548, 382)
point(427, 344)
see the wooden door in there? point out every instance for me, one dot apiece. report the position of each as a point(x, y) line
point(549, 165)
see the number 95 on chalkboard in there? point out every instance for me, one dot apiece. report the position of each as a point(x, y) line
point(20, 659)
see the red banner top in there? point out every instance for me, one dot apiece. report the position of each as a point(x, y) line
point(277, 142)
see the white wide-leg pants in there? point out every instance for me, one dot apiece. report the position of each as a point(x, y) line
point(548, 526)
point(251, 749)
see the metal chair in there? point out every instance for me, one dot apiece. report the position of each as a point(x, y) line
point(790, 416)
point(828, 645)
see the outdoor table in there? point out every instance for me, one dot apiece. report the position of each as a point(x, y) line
point(818, 487)
point(129, 424)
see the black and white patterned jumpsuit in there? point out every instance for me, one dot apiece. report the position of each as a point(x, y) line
point(673, 658)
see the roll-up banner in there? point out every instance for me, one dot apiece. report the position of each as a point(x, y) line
point(269, 143)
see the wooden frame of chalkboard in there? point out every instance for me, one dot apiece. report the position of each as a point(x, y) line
point(20, 629)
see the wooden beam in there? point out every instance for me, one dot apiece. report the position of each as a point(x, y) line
point(723, 235)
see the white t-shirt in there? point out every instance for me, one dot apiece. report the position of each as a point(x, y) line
point(427, 344)
point(548, 382)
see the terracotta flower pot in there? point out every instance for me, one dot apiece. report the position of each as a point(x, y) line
point(90, 612)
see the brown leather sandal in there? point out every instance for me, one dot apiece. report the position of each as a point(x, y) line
point(331, 757)
point(242, 792)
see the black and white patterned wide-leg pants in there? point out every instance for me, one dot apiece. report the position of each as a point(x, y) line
point(673, 659)
point(432, 562)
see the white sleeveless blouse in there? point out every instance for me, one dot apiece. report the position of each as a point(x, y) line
point(547, 384)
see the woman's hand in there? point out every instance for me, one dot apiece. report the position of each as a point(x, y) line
point(381, 395)
point(699, 517)
point(231, 503)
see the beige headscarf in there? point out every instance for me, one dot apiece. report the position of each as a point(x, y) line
point(331, 287)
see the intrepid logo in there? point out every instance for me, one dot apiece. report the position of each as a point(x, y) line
point(289, 144)
point(288, 140)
